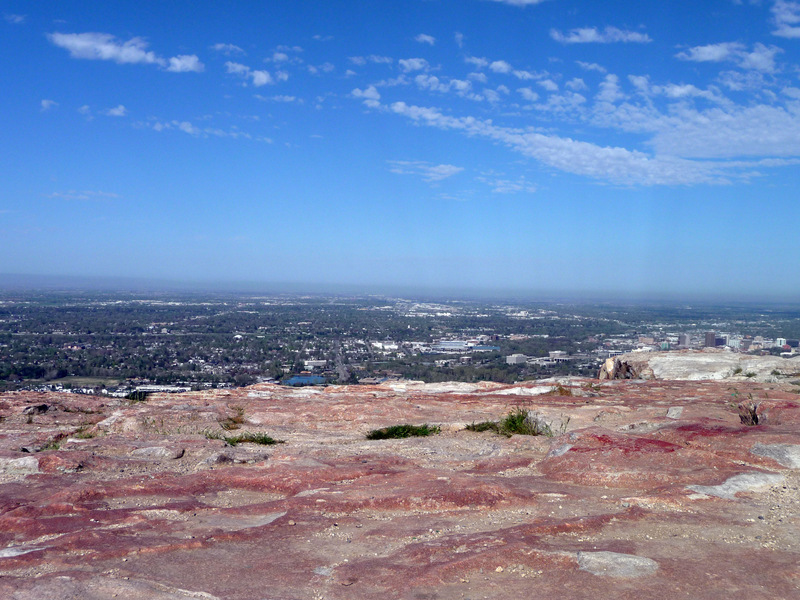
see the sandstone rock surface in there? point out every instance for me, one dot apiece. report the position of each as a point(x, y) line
point(711, 364)
point(634, 500)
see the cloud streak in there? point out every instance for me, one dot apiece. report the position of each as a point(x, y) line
point(104, 46)
point(428, 171)
point(592, 35)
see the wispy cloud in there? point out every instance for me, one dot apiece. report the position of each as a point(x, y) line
point(185, 63)
point(83, 195)
point(586, 35)
point(258, 78)
point(117, 111)
point(14, 19)
point(413, 64)
point(609, 163)
point(520, 2)
point(591, 66)
point(428, 171)
point(280, 98)
point(760, 58)
point(46, 105)
point(228, 49)
point(786, 17)
point(370, 96)
point(424, 38)
point(104, 46)
point(372, 58)
point(508, 186)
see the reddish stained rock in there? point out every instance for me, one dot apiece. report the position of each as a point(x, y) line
point(134, 501)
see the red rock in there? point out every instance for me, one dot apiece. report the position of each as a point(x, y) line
point(145, 509)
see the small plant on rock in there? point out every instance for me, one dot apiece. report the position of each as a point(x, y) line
point(483, 426)
point(235, 421)
point(403, 431)
point(243, 438)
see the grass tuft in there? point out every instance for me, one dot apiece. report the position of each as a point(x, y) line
point(403, 431)
point(483, 426)
point(235, 421)
point(243, 438)
point(518, 421)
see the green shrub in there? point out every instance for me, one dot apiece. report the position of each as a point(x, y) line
point(403, 431)
point(243, 438)
point(483, 426)
point(518, 422)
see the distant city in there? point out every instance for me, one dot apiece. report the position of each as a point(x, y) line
point(129, 344)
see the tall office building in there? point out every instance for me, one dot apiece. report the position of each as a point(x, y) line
point(711, 339)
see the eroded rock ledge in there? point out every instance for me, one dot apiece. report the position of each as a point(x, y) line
point(655, 489)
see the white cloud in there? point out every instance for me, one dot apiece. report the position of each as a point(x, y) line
point(413, 64)
point(83, 195)
point(228, 49)
point(610, 91)
point(761, 58)
point(279, 98)
point(712, 52)
point(520, 2)
point(508, 186)
point(478, 63)
point(500, 66)
point(85, 110)
point(576, 84)
point(185, 63)
point(186, 127)
point(104, 46)
point(424, 38)
point(46, 105)
point(548, 84)
point(373, 58)
point(259, 78)
point(479, 77)
point(528, 94)
point(459, 38)
point(280, 57)
point(792, 92)
point(756, 131)
point(117, 111)
point(786, 16)
point(370, 96)
point(590, 66)
point(429, 172)
point(584, 35)
point(605, 163)
point(14, 19)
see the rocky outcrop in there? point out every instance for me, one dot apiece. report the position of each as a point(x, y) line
point(699, 366)
point(649, 488)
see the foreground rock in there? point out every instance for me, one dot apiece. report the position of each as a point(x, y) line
point(655, 489)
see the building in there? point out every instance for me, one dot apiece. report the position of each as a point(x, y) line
point(516, 359)
point(684, 340)
point(711, 339)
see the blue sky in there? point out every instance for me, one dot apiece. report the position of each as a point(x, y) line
point(555, 145)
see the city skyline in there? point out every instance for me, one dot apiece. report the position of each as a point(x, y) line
point(545, 145)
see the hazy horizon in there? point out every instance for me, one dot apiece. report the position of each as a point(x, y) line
point(102, 284)
point(499, 147)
